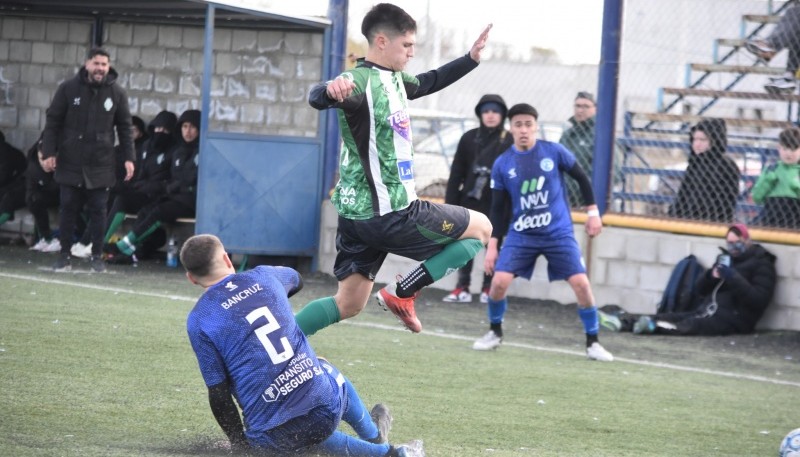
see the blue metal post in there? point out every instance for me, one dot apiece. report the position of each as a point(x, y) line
point(604, 143)
point(337, 13)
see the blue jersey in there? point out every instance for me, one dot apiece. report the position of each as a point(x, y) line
point(534, 181)
point(242, 329)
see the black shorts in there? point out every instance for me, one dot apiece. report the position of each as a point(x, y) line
point(418, 232)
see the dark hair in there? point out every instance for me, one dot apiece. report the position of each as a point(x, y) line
point(198, 252)
point(97, 52)
point(585, 95)
point(523, 108)
point(387, 18)
point(790, 138)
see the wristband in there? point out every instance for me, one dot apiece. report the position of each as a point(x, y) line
point(593, 213)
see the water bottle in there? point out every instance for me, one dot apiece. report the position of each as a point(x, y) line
point(172, 253)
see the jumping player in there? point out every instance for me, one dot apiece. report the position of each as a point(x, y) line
point(530, 175)
point(378, 207)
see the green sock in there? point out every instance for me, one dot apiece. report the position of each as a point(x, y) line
point(127, 245)
point(317, 315)
point(116, 221)
point(4, 217)
point(147, 232)
point(452, 257)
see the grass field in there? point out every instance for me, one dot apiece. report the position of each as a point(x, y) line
point(100, 365)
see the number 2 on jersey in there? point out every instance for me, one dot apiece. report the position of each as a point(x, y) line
point(263, 335)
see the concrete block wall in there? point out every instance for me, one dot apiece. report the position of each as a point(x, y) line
point(259, 86)
point(627, 267)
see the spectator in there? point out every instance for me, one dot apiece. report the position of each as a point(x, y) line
point(379, 211)
point(786, 34)
point(711, 183)
point(12, 180)
point(83, 248)
point(579, 139)
point(734, 293)
point(180, 198)
point(254, 352)
point(152, 173)
point(79, 145)
point(778, 187)
point(530, 175)
point(41, 194)
point(468, 184)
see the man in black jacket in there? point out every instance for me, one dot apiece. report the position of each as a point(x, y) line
point(468, 185)
point(734, 294)
point(78, 143)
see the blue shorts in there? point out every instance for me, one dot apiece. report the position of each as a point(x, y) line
point(563, 256)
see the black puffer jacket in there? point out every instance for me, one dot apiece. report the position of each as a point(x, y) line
point(711, 183)
point(80, 130)
point(12, 163)
point(185, 157)
point(153, 164)
point(743, 298)
point(475, 155)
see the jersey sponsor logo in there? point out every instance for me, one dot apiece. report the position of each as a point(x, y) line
point(231, 286)
point(400, 123)
point(512, 173)
point(239, 296)
point(347, 196)
point(405, 169)
point(295, 375)
point(546, 164)
point(533, 221)
point(447, 227)
point(531, 195)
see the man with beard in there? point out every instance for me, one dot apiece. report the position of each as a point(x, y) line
point(78, 143)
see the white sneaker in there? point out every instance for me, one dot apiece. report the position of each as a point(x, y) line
point(80, 250)
point(458, 295)
point(485, 296)
point(53, 246)
point(487, 342)
point(597, 352)
point(39, 245)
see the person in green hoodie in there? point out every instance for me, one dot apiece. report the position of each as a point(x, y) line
point(778, 187)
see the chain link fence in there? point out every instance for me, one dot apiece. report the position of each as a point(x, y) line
point(687, 69)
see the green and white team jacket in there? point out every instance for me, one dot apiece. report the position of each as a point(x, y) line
point(376, 162)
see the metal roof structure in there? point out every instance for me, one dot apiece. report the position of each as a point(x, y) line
point(180, 12)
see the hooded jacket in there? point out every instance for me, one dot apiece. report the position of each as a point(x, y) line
point(152, 165)
point(711, 183)
point(12, 163)
point(743, 298)
point(474, 157)
point(79, 130)
point(184, 159)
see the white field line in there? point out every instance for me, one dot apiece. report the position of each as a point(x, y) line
point(451, 336)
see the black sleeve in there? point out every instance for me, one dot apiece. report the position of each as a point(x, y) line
point(436, 80)
point(296, 288)
point(499, 213)
point(226, 413)
point(577, 173)
point(318, 97)
point(458, 174)
point(124, 125)
point(54, 120)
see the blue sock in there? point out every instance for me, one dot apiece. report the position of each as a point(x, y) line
point(496, 310)
point(591, 323)
point(356, 414)
point(341, 443)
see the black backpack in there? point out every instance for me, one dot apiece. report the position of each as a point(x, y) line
point(680, 294)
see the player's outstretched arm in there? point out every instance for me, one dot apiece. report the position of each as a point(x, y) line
point(479, 44)
point(226, 413)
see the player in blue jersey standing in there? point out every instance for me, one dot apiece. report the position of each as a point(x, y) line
point(250, 349)
point(529, 176)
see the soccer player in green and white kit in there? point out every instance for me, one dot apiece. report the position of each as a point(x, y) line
point(378, 207)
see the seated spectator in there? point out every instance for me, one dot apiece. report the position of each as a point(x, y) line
point(786, 34)
point(83, 248)
point(12, 180)
point(778, 187)
point(180, 194)
point(733, 293)
point(41, 194)
point(711, 183)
